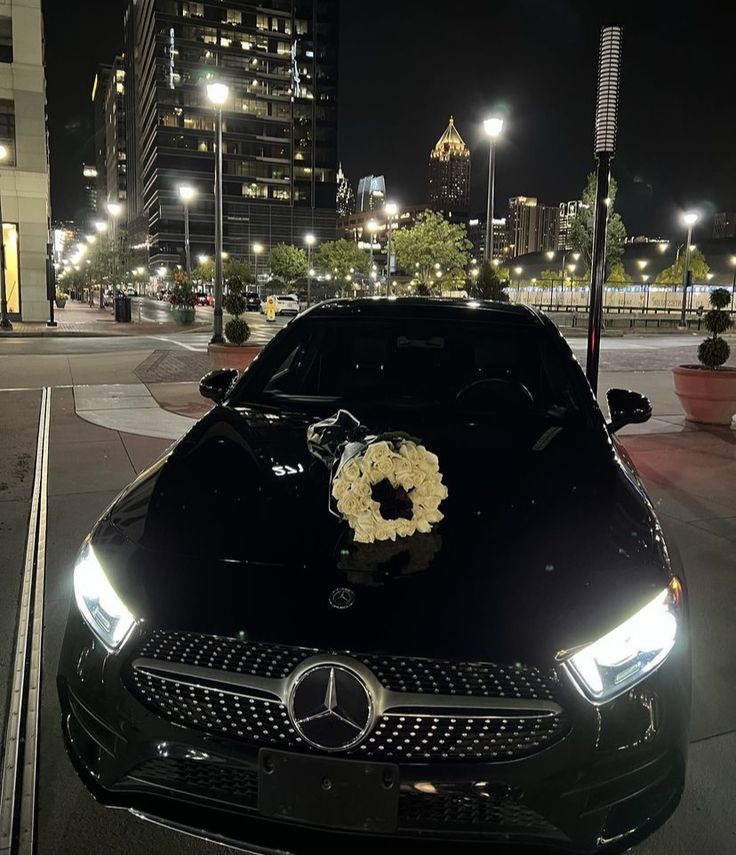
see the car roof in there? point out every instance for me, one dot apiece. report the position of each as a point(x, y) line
point(428, 307)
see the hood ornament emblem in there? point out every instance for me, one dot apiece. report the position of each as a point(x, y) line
point(342, 598)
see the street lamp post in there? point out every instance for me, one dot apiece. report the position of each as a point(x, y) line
point(518, 271)
point(5, 323)
point(609, 71)
point(114, 209)
point(689, 219)
point(257, 250)
point(310, 240)
point(391, 209)
point(186, 194)
point(371, 225)
point(218, 93)
point(733, 284)
point(493, 127)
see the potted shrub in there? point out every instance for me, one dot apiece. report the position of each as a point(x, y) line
point(236, 353)
point(60, 298)
point(707, 391)
point(182, 299)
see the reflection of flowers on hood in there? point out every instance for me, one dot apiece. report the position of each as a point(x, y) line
point(382, 561)
point(385, 486)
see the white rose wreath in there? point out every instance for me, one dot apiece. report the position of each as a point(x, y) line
point(392, 487)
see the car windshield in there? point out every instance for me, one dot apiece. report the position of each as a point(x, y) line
point(483, 369)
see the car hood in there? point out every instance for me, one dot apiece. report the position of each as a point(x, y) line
point(547, 543)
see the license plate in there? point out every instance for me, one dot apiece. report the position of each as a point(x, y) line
point(344, 794)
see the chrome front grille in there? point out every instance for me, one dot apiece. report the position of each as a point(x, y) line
point(426, 710)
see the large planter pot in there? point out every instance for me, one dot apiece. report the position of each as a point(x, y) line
point(60, 303)
point(707, 396)
point(183, 314)
point(237, 356)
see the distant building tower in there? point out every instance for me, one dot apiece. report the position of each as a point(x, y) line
point(724, 224)
point(345, 195)
point(531, 226)
point(89, 175)
point(371, 192)
point(568, 212)
point(449, 174)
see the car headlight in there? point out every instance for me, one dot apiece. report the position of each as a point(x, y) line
point(101, 607)
point(626, 655)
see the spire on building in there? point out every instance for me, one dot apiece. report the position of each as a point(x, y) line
point(449, 174)
point(345, 195)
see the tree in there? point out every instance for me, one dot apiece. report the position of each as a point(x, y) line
point(488, 284)
point(580, 233)
point(288, 262)
point(433, 241)
point(231, 268)
point(674, 274)
point(618, 276)
point(341, 257)
point(549, 278)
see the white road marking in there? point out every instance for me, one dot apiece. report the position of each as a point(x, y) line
point(180, 343)
point(25, 694)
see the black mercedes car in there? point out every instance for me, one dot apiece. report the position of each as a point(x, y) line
point(238, 666)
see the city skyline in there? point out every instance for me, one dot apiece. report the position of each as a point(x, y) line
point(546, 150)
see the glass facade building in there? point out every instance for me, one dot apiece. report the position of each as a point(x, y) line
point(279, 123)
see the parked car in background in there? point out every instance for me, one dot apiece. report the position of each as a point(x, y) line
point(130, 291)
point(252, 302)
point(287, 304)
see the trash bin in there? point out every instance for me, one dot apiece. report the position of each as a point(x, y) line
point(122, 308)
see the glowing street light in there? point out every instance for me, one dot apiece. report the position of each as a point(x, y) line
point(101, 226)
point(689, 218)
point(257, 250)
point(309, 240)
point(493, 126)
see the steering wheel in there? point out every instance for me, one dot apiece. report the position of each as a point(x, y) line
point(504, 390)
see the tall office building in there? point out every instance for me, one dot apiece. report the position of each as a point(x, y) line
point(371, 192)
point(345, 195)
point(567, 213)
point(279, 59)
point(116, 181)
point(449, 174)
point(531, 226)
point(24, 173)
point(724, 224)
point(99, 96)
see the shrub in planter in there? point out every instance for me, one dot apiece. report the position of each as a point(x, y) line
point(237, 330)
point(60, 298)
point(707, 391)
point(714, 351)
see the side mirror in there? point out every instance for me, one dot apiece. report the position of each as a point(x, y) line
point(627, 408)
point(217, 384)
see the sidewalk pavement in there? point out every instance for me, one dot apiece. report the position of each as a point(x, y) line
point(81, 319)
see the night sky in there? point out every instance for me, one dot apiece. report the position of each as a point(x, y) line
point(405, 67)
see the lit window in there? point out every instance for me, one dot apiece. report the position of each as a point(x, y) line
point(233, 16)
point(192, 10)
point(7, 129)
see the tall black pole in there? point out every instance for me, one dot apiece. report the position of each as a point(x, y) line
point(609, 70)
point(598, 269)
point(217, 337)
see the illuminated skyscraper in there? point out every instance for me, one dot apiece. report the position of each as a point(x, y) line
point(279, 60)
point(345, 195)
point(449, 174)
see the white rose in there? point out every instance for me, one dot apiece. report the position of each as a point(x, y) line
point(351, 471)
point(405, 528)
point(377, 451)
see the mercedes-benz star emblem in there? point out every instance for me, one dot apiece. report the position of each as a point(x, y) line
point(331, 707)
point(342, 598)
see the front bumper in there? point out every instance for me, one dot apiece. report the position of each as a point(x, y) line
point(615, 776)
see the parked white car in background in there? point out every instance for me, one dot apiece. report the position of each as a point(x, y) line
point(286, 304)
